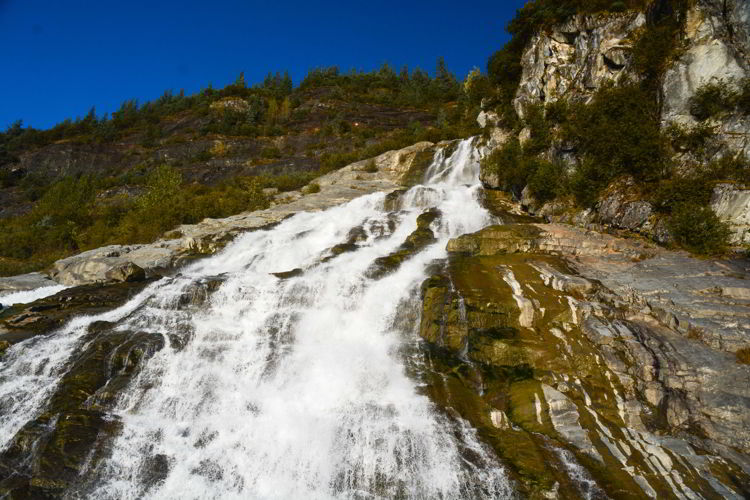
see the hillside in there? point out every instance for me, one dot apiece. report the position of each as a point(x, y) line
point(85, 183)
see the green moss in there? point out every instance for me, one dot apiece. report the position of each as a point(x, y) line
point(415, 242)
point(4, 346)
point(496, 240)
point(289, 274)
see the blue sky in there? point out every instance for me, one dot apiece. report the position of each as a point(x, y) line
point(62, 57)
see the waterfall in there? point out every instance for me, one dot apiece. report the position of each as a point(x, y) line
point(295, 385)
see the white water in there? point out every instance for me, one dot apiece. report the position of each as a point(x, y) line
point(26, 296)
point(292, 388)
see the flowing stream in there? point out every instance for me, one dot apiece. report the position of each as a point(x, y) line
point(306, 386)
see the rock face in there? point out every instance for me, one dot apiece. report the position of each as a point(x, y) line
point(21, 322)
point(574, 59)
point(717, 49)
point(576, 350)
point(733, 205)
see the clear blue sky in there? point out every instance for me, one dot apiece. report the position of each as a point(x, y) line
point(60, 57)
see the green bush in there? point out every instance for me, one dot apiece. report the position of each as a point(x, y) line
point(700, 140)
point(370, 167)
point(712, 99)
point(699, 230)
point(587, 181)
point(729, 168)
point(271, 152)
point(743, 97)
point(695, 190)
point(541, 137)
point(548, 180)
point(620, 133)
point(69, 217)
point(508, 165)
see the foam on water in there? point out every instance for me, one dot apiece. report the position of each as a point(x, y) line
point(26, 296)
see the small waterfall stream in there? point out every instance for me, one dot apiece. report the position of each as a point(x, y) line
point(305, 386)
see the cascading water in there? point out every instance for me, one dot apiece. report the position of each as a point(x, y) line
point(304, 387)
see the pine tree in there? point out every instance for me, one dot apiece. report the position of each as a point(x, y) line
point(240, 82)
point(286, 84)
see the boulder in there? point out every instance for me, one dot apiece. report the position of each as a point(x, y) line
point(127, 272)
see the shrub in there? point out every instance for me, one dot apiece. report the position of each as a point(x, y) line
point(587, 181)
point(203, 156)
point(548, 180)
point(620, 133)
point(506, 163)
point(540, 139)
point(700, 140)
point(271, 152)
point(311, 188)
point(733, 168)
point(370, 167)
point(699, 230)
point(695, 190)
point(743, 97)
point(712, 99)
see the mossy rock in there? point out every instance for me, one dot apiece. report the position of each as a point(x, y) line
point(414, 243)
point(355, 236)
point(49, 452)
point(497, 352)
point(49, 313)
point(392, 202)
point(497, 240)
point(500, 204)
point(65, 453)
point(289, 274)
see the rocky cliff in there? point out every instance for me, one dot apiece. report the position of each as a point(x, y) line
point(573, 350)
point(572, 61)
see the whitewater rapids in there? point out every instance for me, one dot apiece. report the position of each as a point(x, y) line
point(304, 387)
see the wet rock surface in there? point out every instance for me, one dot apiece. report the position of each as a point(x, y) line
point(74, 429)
point(571, 350)
point(50, 452)
point(24, 321)
point(415, 242)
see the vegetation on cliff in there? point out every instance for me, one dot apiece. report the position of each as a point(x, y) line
point(618, 132)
